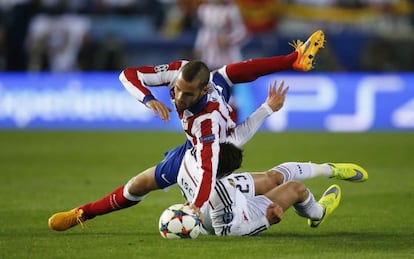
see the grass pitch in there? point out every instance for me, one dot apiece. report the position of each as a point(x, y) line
point(46, 172)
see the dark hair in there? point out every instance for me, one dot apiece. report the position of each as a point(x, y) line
point(230, 159)
point(196, 70)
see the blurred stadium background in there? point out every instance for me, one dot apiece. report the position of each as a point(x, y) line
point(60, 60)
point(59, 67)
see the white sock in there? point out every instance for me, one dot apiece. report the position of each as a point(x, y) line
point(301, 171)
point(321, 169)
point(129, 196)
point(309, 208)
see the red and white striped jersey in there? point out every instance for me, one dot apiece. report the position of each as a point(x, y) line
point(227, 211)
point(206, 124)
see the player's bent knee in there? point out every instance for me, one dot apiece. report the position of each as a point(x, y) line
point(274, 177)
point(297, 187)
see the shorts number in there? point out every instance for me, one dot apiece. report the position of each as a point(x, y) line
point(242, 185)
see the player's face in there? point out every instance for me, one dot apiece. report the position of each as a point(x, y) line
point(187, 94)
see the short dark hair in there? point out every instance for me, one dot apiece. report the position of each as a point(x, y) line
point(196, 70)
point(230, 159)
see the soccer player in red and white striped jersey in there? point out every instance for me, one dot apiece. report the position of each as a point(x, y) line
point(201, 99)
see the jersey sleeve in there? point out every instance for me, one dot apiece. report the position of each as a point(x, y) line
point(245, 131)
point(241, 228)
point(137, 80)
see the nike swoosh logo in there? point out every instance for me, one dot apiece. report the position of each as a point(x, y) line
point(165, 179)
point(306, 47)
point(332, 190)
point(357, 177)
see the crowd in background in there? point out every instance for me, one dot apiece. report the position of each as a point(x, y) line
point(108, 35)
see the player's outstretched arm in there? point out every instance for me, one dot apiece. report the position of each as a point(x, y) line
point(138, 80)
point(274, 102)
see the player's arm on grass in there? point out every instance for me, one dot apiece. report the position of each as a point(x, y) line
point(274, 102)
point(241, 227)
point(237, 226)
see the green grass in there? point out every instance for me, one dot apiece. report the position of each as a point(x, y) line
point(45, 172)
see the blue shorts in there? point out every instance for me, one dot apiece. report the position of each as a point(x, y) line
point(166, 171)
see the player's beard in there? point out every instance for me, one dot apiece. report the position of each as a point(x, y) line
point(180, 106)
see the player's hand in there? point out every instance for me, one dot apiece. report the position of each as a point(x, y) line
point(274, 213)
point(276, 95)
point(196, 211)
point(158, 108)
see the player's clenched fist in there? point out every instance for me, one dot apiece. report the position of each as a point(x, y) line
point(274, 213)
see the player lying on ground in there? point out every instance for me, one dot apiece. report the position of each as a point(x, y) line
point(201, 101)
point(248, 203)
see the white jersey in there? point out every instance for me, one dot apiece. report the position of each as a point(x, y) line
point(230, 209)
point(220, 21)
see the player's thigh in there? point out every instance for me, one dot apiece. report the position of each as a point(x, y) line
point(266, 181)
point(287, 194)
point(143, 183)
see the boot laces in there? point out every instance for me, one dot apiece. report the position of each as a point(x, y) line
point(296, 44)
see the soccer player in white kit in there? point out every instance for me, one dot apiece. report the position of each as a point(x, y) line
point(221, 33)
point(245, 203)
point(249, 203)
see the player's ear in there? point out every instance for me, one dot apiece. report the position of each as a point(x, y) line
point(205, 90)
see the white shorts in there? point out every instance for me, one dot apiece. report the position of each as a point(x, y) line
point(254, 206)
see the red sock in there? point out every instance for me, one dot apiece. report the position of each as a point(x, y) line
point(111, 202)
point(251, 69)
